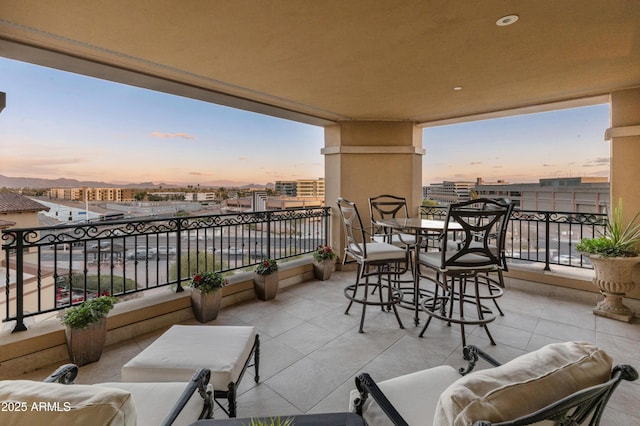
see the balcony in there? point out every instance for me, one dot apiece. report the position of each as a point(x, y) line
point(311, 351)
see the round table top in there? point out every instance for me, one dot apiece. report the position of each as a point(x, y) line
point(418, 224)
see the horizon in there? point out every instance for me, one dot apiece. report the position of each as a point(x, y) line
point(59, 125)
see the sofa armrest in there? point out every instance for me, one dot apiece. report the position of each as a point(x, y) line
point(200, 383)
point(472, 353)
point(64, 374)
point(367, 386)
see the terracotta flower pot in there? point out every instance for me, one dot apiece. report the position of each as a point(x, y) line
point(323, 269)
point(85, 344)
point(613, 278)
point(205, 305)
point(266, 286)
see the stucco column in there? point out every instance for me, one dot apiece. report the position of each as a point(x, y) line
point(624, 135)
point(364, 159)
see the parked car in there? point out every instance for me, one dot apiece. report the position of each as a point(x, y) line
point(166, 252)
point(77, 296)
point(142, 252)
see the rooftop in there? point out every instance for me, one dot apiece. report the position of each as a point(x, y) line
point(311, 351)
point(11, 202)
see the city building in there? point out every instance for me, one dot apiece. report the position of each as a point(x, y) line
point(310, 188)
point(300, 188)
point(200, 196)
point(570, 194)
point(449, 192)
point(259, 201)
point(286, 188)
point(93, 194)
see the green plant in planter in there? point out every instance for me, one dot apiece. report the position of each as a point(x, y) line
point(267, 267)
point(208, 282)
point(88, 312)
point(620, 240)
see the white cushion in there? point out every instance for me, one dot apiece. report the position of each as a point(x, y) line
point(414, 395)
point(182, 349)
point(55, 404)
point(434, 260)
point(397, 239)
point(154, 401)
point(382, 251)
point(523, 385)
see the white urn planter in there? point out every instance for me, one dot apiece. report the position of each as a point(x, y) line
point(613, 278)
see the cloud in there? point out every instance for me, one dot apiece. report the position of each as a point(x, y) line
point(548, 165)
point(597, 162)
point(172, 135)
point(475, 163)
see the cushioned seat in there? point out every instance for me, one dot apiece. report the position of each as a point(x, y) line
point(379, 260)
point(225, 350)
point(154, 402)
point(523, 391)
point(57, 401)
point(414, 395)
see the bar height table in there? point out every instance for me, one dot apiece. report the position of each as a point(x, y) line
point(420, 227)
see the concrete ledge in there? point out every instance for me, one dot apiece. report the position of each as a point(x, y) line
point(44, 342)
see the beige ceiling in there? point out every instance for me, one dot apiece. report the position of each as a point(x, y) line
point(319, 61)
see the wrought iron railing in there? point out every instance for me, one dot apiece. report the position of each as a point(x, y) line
point(50, 268)
point(547, 237)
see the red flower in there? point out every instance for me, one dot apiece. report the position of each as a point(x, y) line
point(197, 278)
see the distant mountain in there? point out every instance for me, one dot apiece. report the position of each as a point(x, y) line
point(26, 182)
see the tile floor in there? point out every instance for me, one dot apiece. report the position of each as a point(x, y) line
point(311, 351)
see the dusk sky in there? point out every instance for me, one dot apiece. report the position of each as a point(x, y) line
point(57, 124)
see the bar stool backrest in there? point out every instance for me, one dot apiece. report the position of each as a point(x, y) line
point(482, 222)
point(386, 207)
point(354, 234)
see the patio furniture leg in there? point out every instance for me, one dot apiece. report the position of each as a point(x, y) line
point(463, 282)
point(256, 360)
point(481, 313)
point(355, 289)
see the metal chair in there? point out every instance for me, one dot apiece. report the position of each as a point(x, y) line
point(498, 235)
point(166, 403)
point(385, 207)
point(374, 259)
point(420, 397)
point(391, 207)
point(455, 267)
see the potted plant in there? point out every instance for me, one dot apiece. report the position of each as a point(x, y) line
point(265, 279)
point(206, 296)
point(86, 328)
point(614, 254)
point(323, 262)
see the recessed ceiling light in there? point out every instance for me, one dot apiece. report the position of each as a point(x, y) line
point(507, 20)
point(457, 88)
